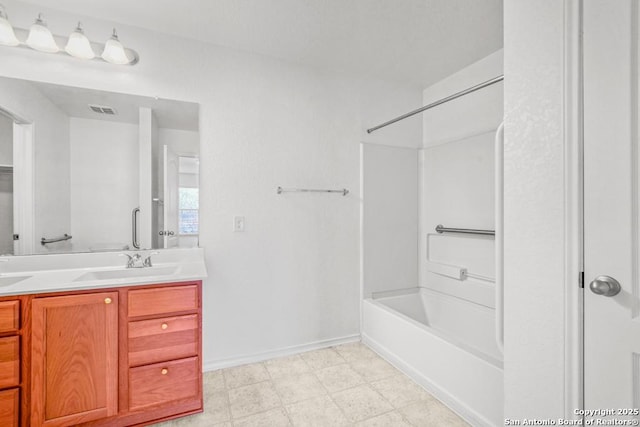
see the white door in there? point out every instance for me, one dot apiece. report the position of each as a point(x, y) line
point(611, 210)
point(170, 209)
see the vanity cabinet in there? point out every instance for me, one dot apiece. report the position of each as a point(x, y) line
point(124, 356)
point(163, 348)
point(74, 358)
point(9, 363)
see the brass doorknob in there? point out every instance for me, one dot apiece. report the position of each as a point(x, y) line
point(107, 300)
point(164, 371)
point(164, 326)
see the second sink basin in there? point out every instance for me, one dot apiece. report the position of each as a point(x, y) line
point(10, 280)
point(126, 273)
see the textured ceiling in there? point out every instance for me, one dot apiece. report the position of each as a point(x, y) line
point(416, 42)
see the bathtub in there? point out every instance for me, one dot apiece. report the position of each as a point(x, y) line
point(444, 343)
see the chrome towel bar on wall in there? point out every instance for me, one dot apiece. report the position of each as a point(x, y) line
point(281, 190)
point(442, 229)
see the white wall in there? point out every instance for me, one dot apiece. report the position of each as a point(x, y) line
point(535, 225)
point(457, 180)
point(389, 218)
point(104, 182)
point(50, 162)
point(292, 277)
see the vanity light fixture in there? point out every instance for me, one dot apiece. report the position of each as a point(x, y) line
point(40, 38)
point(78, 45)
point(7, 36)
point(114, 51)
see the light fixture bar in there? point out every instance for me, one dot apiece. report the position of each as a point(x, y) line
point(39, 38)
point(22, 33)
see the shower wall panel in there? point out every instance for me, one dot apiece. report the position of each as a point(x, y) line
point(457, 180)
point(390, 218)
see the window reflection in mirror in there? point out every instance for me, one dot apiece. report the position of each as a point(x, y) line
point(78, 162)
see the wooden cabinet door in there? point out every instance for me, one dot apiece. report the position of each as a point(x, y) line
point(74, 357)
point(9, 404)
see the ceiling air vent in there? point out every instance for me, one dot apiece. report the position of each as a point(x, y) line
point(102, 109)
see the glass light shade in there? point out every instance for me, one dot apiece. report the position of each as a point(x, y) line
point(7, 36)
point(114, 51)
point(79, 45)
point(40, 38)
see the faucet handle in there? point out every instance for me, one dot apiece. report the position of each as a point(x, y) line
point(131, 259)
point(147, 260)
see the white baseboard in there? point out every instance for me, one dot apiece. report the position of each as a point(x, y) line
point(287, 351)
point(447, 399)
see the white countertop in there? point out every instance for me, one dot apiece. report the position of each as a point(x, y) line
point(66, 272)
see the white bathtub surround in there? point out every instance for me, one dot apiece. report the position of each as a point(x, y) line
point(64, 272)
point(445, 344)
point(457, 173)
point(389, 218)
point(442, 332)
point(435, 320)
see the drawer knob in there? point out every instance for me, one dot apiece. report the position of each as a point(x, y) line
point(164, 326)
point(107, 300)
point(164, 371)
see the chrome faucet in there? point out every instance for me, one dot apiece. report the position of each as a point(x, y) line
point(136, 260)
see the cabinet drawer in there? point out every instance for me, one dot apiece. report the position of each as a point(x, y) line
point(9, 362)
point(9, 316)
point(158, 301)
point(9, 407)
point(164, 382)
point(167, 338)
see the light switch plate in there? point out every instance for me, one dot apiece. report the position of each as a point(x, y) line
point(238, 224)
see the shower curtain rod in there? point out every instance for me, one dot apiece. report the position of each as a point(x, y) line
point(441, 101)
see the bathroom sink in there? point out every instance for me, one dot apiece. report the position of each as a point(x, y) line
point(10, 280)
point(126, 273)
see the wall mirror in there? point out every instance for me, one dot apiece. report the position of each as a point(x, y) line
point(83, 170)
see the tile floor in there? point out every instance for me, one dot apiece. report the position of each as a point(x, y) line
point(346, 385)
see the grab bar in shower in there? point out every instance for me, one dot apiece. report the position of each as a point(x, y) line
point(442, 229)
point(499, 241)
point(281, 190)
point(134, 228)
point(62, 238)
